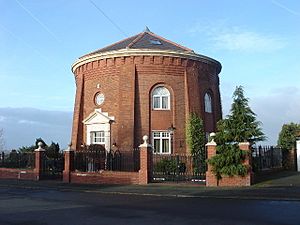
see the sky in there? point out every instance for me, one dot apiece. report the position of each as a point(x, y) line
point(257, 42)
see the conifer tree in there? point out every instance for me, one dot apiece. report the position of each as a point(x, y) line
point(288, 135)
point(239, 126)
point(196, 141)
point(287, 141)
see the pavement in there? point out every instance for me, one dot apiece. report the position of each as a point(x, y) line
point(283, 186)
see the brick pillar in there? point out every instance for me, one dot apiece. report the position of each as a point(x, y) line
point(211, 148)
point(69, 164)
point(39, 155)
point(146, 164)
point(289, 159)
point(245, 146)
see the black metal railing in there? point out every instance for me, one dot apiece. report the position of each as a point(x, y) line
point(178, 168)
point(52, 165)
point(20, 160)
point(266, 158)
point(92, 159)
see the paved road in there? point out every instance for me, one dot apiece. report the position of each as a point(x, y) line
point(286, 187)
point(23, 206)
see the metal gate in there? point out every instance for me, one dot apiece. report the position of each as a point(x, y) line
point(266, 158)
point(95, 158)
point(52, 165)
point(178, 168)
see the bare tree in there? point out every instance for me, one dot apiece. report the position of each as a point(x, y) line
point(1, 140)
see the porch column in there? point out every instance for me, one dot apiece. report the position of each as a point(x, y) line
point(39, 155)
point(146, 164)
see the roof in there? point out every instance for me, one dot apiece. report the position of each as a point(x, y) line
point(145, 43)
point(144, 40)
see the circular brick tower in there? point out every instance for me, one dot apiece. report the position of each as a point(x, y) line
point(141, 85)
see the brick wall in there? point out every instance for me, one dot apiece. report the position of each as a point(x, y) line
point(235, 181)
point(211, 180)
point(26, 174)
point(143, 176)
point(105, 177)
point(127, 83)
point(7, 173)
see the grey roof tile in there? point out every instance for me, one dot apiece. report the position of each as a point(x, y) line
point(144, 40)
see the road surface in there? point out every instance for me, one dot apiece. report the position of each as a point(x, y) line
point(23, 206)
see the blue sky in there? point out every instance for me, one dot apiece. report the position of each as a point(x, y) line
point(257, 42)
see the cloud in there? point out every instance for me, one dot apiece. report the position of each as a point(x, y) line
point(235, 38)
point(28, 122)
point(287, 9)
point(23, 125)
point(2, 118)
point(278, 107)
point(247, 41)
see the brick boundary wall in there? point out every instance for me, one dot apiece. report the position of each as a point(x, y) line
point(143, 176)
point(105, 177)
point(26, 174)
point(20, 174)
point(227, 181)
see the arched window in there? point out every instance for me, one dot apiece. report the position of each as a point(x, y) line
point(161, 98)
point(207, 103)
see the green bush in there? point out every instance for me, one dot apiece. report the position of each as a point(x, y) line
point(166, 166)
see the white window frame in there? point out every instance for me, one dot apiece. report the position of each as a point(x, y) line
point(94, 137)
point(161, 96)
point(161, 135)
point(207, 103)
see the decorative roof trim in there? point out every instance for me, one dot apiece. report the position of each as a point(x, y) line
point(144, 52)
point(98, 112)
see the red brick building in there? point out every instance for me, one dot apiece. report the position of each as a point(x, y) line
point(141, 85)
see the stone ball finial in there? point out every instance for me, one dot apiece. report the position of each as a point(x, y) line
point(68, 148)
point(212, 136)
point(40, 144)
point(40, 147)
point(145, 139)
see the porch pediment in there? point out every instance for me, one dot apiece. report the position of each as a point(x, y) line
point(98, 117)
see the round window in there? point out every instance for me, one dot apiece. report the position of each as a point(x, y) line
point(99, 98)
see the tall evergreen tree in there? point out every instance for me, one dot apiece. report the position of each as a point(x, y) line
point(239, 126)
point(53, 150)
point(287, 136)
point(196, 141)
point(242, 125)
point(195, 134)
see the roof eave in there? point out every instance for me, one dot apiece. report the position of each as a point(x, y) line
point(139, 52)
